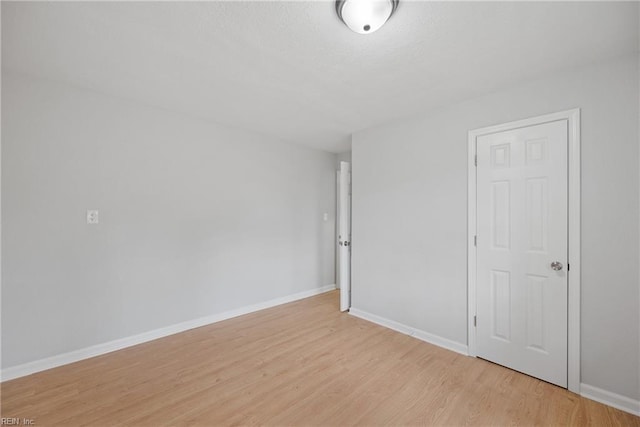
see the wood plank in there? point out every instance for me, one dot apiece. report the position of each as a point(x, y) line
point(302, 363)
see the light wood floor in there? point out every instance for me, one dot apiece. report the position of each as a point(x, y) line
point(302, 363)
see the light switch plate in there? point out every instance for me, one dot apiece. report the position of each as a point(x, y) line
point(92, 216)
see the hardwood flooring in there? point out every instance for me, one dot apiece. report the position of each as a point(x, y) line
point(302, 363)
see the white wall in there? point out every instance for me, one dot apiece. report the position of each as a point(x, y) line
point(410, 214)
point(343, 157)
point(195, 219)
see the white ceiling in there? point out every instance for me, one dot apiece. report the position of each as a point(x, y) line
point(293, 70)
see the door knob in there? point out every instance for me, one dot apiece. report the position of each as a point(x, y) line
point(556, 266)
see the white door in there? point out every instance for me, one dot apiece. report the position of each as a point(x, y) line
point(344, 235)
point(522, 244)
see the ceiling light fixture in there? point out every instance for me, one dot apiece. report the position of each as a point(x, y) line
point(365, 16)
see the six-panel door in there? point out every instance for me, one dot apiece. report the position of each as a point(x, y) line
point(522, 229)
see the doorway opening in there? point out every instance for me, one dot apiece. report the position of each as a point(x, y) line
point(343, 261)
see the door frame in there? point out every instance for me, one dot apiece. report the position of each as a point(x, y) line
point(573, 301)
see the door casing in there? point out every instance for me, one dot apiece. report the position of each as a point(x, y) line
point(573, 309)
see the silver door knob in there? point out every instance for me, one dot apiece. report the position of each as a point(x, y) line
point(557, 266)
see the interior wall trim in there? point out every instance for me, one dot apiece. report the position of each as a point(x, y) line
point(110, 346)
point(609, 398)
point(411, 331)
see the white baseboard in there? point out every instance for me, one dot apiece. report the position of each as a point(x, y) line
point(408, 330)
point(612, 399)
point(99, 349)
point(590, 392)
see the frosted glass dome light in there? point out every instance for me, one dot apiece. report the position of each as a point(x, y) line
point(365, 16)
